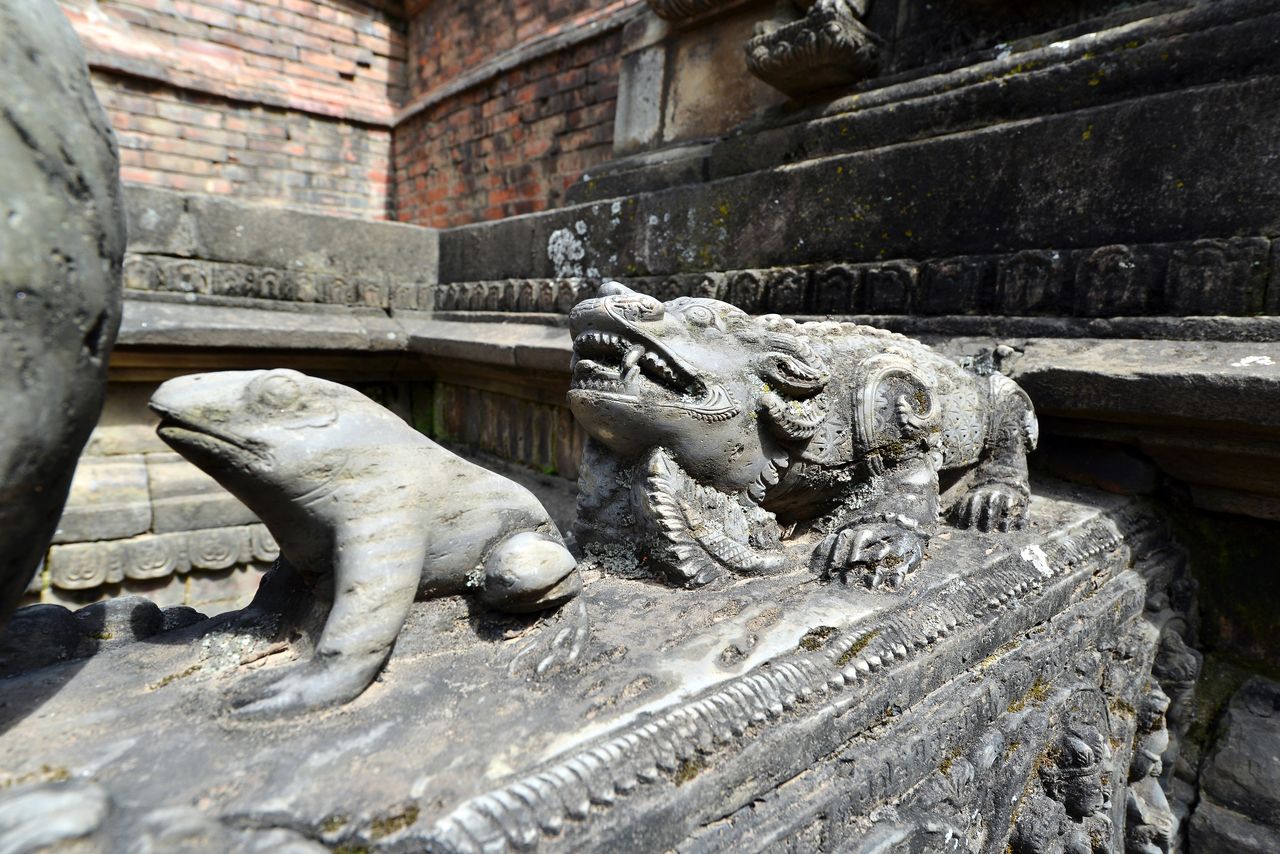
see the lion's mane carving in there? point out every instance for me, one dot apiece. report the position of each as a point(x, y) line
point(718, 435)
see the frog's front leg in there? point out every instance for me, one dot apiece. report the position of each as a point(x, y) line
point(884, 540)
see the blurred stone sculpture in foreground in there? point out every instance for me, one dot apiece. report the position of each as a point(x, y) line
point(62, 236)
point(719, 433)
point(367, 511)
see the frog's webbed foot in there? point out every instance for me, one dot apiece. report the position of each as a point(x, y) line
point(559, 640)
point(882, 553)
point(993, 506)
point(303, 687)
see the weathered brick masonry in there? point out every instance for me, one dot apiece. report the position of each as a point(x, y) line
point(436, 113)
point(512, 144)
point(283, 101)
point(510, 102)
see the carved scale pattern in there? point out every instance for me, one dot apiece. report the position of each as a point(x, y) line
point(518, 814)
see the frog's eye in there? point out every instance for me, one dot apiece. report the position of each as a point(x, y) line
point(700, 315)
point(278, 392)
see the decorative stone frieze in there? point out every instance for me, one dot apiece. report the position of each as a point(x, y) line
point(827, 49)
point(200, 278)
point(1205, 277)
point(84, 566)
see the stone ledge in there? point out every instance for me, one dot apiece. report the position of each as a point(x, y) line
point(210, 228)
point(151, 323)
point(655, 730)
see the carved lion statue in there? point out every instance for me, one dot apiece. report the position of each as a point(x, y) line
point(718, 436)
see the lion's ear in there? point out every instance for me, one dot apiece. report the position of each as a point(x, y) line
point(791, 366)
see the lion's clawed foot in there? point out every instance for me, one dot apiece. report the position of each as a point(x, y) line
point(315, 684)
point(560, 640)
point(883, 553)
point(993, 507)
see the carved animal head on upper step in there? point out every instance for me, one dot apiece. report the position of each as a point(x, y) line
point(704, 379)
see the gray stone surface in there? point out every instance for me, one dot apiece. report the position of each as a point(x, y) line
point(753, 713)
point(162, 222)
point(60, 256)
point(367, 512)
point(109, 499)
point(1239, 805)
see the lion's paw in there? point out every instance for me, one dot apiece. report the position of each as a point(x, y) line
point(992, 507)
point(884, 554)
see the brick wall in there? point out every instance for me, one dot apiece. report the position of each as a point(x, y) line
point(511, 145)
point(450, 37)
point(438, 112)
point(188, 141)
point(289, 101)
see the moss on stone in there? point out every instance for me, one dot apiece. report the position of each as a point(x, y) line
point(858, 646)
point(174, 677)
point(689, 768)
point(393, 823)
point(818, 637)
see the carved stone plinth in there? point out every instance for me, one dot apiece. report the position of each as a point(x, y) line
point(993, 703)
point(826, 49)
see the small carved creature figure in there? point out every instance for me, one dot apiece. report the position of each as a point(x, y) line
point(366, 510)
point(718, 432)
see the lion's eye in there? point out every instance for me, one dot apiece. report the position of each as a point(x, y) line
point(279, 392)
point(700, 315)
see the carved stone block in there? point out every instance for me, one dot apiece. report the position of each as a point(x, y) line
point(142, 273)
point(836, 289)
point(889, 288)
point(184, 498)
point(787, 291)
point(1218, 277)
point(84, 566)
point(828, 48)
point(1119, 281)
point(1033, 282)
point(109, 499)
point(956, 286)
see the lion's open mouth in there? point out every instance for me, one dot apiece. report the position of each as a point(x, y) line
point(610, 362)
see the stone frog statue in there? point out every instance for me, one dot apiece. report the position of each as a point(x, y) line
point(717, 433)
point(367, 512)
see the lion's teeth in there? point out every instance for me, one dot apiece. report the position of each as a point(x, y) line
point(632, 357)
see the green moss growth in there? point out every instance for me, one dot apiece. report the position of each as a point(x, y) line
point(1233, 559)
point(334, 823)
point(393, 823)
point(858, 646)
point(174, 677)
point(689, 768)
point(817, 638)
point(1037, 693)
point(1220, 678)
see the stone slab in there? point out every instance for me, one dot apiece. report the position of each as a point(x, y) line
point(687, 705)
point(109, 499)
point(1243, 773)
point(182, 324)
point(184, 498)
point(163, 222)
